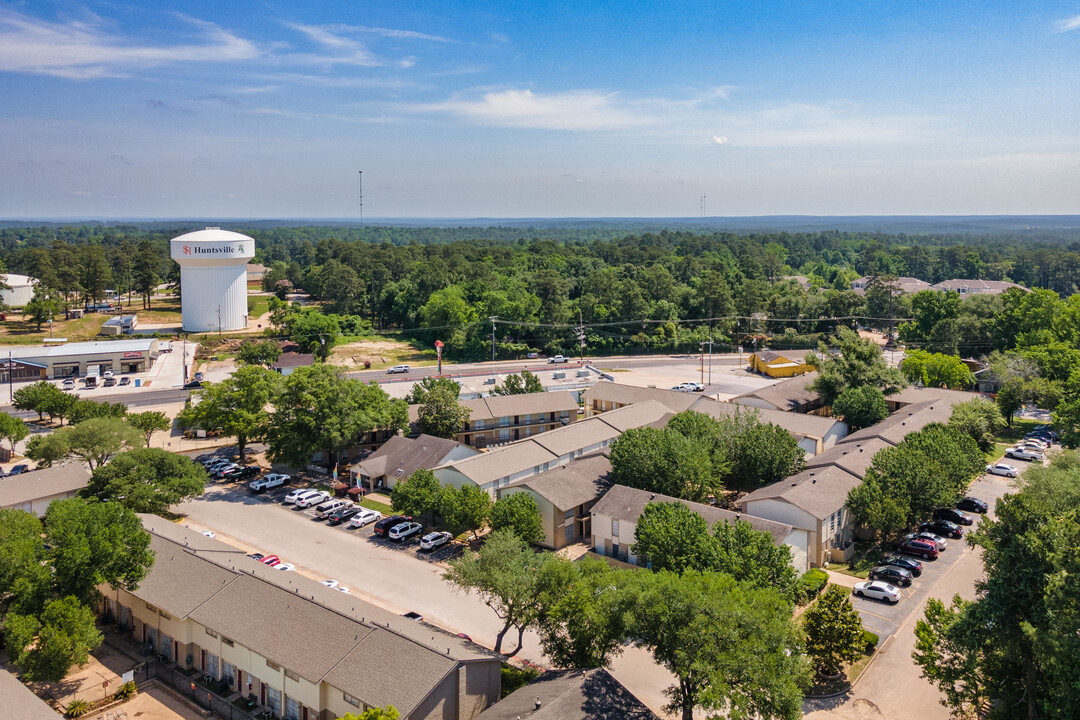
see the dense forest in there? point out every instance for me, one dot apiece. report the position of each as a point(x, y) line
point(663, 291)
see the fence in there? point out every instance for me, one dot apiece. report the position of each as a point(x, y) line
point(193, 689)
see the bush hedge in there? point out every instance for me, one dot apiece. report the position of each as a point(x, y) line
point(811, 583)
point(870, 639)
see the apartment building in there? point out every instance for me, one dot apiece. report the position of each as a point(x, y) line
point(506, 418)
point(305, 651)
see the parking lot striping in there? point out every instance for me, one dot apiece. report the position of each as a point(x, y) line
point(883, 617)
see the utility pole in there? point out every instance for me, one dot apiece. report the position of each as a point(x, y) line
point(580, 330)
point(185, 359)
point(492, 319)
point(708, 342)
point(11, 385)
point(218, 319)
point(701, 363)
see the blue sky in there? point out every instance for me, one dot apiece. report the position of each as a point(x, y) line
point(519, 109)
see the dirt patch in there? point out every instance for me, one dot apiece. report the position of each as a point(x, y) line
point(377, 353)
point(876, 337)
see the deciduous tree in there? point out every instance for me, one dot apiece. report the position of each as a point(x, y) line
point(834, 631)
point(861, 407)
point(238, 405)
point(46, 649)
point(147, 480)
point(150, 422)
point(263, 353)
point(12, 429)
point(519, 384)
point(93, 441)
point(420, 390)
point(936, 370)
point(980, 419)
point(519, 514)
point(859, 363)
point(441, 414)
point(417, 495)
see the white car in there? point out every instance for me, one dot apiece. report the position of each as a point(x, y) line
point(403, 531)
point(107, 374)
point(434, 540)
point(878, 591)
point(270, 481)
point(315, 497)
point(1023, 453)
point(284, 566)
point(68, 384)
point(208, 533)
point(342, 588)
point(366, 516)
point(558, 359)
point(296, 495)
point(330, 583)
point(398, 369)
point(1034, 442)
point(1003, 469)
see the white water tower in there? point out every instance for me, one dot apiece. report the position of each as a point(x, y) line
point(213, 278)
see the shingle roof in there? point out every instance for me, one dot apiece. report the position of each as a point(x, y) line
point(498, 406)
point(627, 504)
point(580, 435)
point(82, 348)
point(570, 695)
point(853, 457)
point(400, 456)
point(294, 359)
point(20, 702)
point(913, 394)
point(817, 491)
point(573, 484)
point(906, 420)
point(359, 648)
point(29, 486)
point(639, 414)
point(795, 423)
point(631, 394)
point(788, 356)
point(504, 461)
point(786, 395)
point(984, 286)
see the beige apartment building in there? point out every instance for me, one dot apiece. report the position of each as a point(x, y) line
point(305, 651)
point(506, 418)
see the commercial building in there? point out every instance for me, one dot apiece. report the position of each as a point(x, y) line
point(615, 518)
point(35, 490)
point(74, 359)
point(305, 652)
point(120, 325)
point(213, 278)
point(565, 495)
point(778, 364)
point(21, 291)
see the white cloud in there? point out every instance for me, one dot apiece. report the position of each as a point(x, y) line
point(573, 110)
point(343, 50)
point(719, 139)
point(1068, 24)
point(81, 50)
point(392, 33)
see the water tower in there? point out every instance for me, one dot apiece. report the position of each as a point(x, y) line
point(213, 278)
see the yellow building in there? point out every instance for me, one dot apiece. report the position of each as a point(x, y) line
point(779, 365)
point(302, 650)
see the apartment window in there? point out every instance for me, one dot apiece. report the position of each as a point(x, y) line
point(478, 424)
point(526, 419)
point(292, 709)
point(504, 420)
point(614, 527)
point(272, 665)
point(504, 434)
point(211, 664)
point(291, 675)
point(350, 699)
point(569, 532)
point(568, 514)
point(211, 633)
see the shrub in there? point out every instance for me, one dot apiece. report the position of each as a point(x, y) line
point(870, 640)
point(125, 691)
point(77, 708)
point(515, 677)
point(811, 583)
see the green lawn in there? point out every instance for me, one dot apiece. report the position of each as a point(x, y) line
point(376, 505)
point(260, 304)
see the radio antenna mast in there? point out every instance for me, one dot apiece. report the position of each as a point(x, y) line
point(361, 197)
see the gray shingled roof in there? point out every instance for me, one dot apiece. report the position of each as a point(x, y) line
point(573, 484)
point(795, 423)
point(579, 435)
point(985, 286)
point(29, 486)
point(400, 456)
point(906, 420)
point(638, 414)
point(820, 491)
point(525, 404)
point(505, 461)
point(786, 395)
point(854, 457)
point(20, 702)
point(631, 394)
point(294, 359)
point(570, 695)
point(627, 504)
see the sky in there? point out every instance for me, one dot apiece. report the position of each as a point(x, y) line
point(508, 109)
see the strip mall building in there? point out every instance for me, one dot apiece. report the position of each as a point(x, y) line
point(36, 362)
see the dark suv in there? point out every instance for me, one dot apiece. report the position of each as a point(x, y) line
point(960, 518)
point(921, 548)
point(891, 574)
point(943, 528)
point(382, 528)
point(241, 473)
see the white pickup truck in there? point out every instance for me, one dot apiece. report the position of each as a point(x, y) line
point(267, 482)
point(558, 359)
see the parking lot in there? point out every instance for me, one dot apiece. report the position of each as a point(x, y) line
point(884, 619)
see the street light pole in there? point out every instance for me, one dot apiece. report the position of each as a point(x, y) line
point(492, 319)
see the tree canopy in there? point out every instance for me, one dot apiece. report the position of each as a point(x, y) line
point(441, 414)
point(519, 384)
point(861, 407)
point(147, 480)
point(93, 441)
point(519, 514)
point(858, 363)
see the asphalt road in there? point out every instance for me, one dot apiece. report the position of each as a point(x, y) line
point(131, 399)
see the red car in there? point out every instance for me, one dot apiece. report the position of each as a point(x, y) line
point(271, 560)
point(921, 548)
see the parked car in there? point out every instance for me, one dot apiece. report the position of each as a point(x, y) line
point(270, 560)
point(220, 470)
point(284, 566)
point(939, 542)
point(199, 376)
point(330, 583)
point(912, 566)
point(398, 369)
point(208, 533)
point(1036, 441)
point(323, 511)
point(125, 381)
point(110, 381)
point(922, 548)
point(191, 385)
point(364, 516)
point(256, 556)
point(383, 526)
point(342, 588)
point(316, 497)
point(243, 472)
point(973, 505)
point(342, 514)
point(213, 460)
point(403, 531)
point(878, 591)
point(69, 384)
point(891, 574)
point(1020, 453)
point(296, 494)
point(558, 359)
point(434, 540)
point(954, 516)
point(943, 528)
point(107, 374)
point(1009, 471)
point(270, 481)
point(18, 470)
